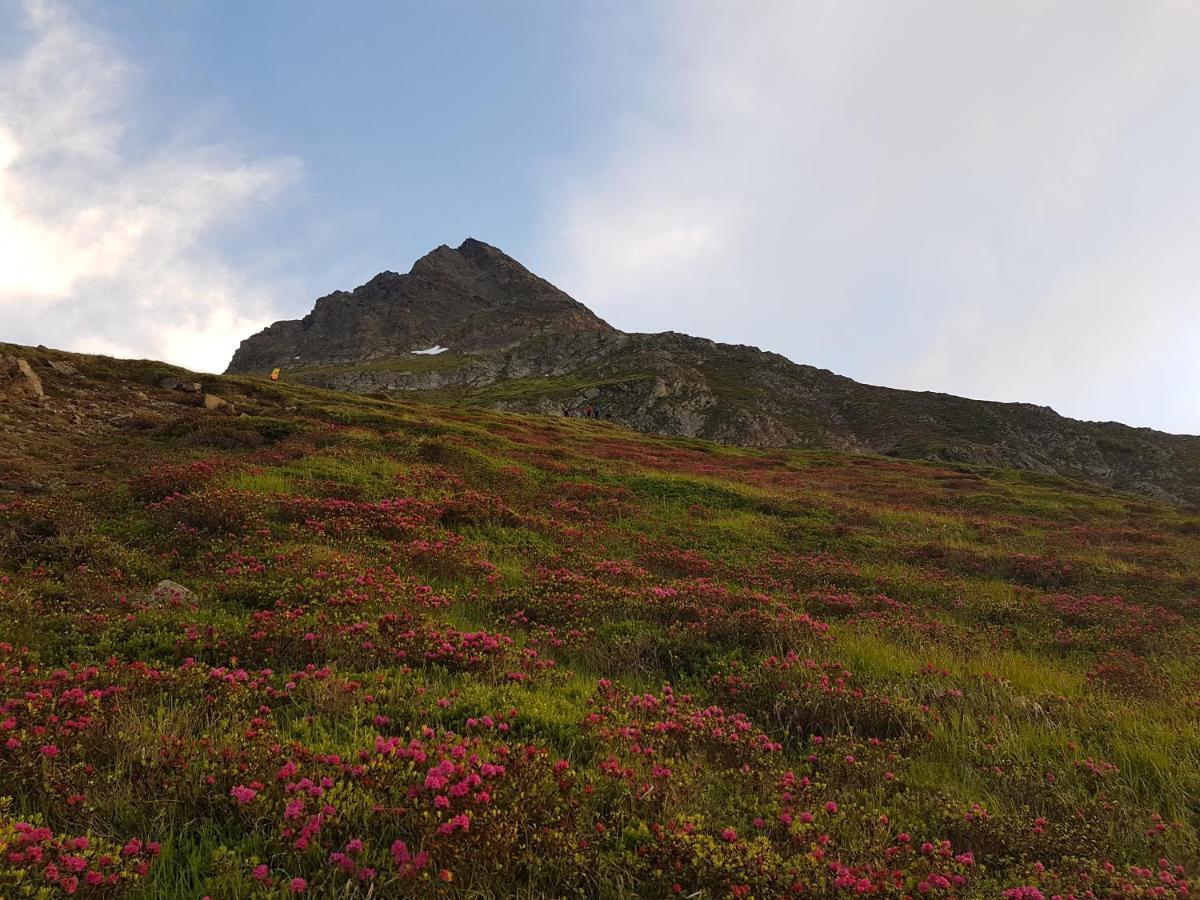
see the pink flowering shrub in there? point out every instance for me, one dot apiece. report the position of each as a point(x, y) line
point(34, 861)
point(438, 652)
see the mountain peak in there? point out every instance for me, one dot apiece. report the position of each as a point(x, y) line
point(479, 251)
point(466, 261)
point(471, 299)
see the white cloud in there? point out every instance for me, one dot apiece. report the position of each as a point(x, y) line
point(106, 247)
point(1114, 333)
point(914, 194)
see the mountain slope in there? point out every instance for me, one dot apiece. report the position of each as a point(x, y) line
point(516, 342)
point(266, 640)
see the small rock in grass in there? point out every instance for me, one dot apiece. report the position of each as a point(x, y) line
point(167, 591)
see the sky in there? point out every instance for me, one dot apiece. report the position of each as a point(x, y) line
point(997, 200)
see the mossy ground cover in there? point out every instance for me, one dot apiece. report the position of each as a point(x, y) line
point(442, 652)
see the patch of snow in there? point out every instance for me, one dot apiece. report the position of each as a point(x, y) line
point(432, 351)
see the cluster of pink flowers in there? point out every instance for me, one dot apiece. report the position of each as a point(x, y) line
point(72, 864)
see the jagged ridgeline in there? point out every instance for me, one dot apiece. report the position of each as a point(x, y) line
point(472, 325)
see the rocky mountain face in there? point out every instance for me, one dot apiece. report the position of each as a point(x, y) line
point(505, 338)
point(474, 299)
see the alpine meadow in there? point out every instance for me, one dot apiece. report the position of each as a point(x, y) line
point(336, 645)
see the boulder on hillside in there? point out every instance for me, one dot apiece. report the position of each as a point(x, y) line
point(62, 368)
point(19, 379)
point(167, 591)
point(213, 403)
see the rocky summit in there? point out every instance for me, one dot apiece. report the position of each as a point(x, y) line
point(474, 299)
point(473, 326)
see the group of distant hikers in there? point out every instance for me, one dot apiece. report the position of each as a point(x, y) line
point(591, 411)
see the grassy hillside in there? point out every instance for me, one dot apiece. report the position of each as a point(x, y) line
point(427, 651)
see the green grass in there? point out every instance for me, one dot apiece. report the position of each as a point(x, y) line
point(955, 627)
